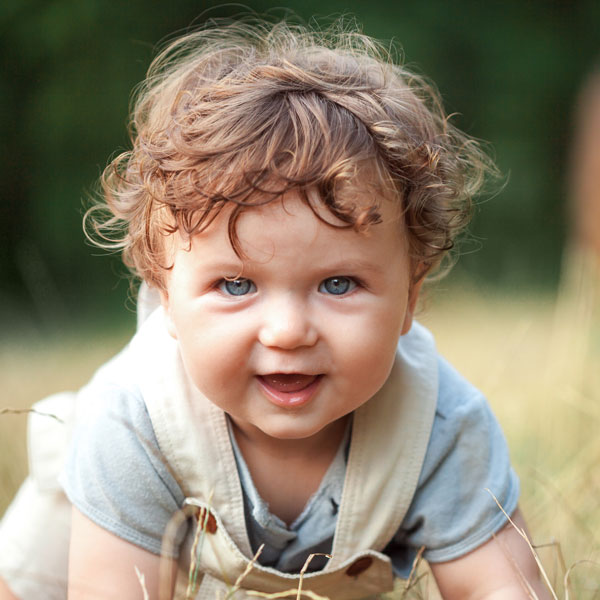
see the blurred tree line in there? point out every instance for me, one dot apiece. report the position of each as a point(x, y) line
point(510, 70)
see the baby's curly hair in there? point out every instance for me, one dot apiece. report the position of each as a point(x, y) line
point(237, 113)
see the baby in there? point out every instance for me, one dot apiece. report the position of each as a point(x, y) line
point(287, 193)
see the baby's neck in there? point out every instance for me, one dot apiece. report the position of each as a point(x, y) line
point(286, 473)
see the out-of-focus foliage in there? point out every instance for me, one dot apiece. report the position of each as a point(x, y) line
point(510, 70)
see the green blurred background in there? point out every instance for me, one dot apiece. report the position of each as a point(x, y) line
point(510, 70)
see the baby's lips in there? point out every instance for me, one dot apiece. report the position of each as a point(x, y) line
point(288, 382)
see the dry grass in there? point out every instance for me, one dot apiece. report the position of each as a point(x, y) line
point(537, 361)
point(535, 358)
point(31, 369)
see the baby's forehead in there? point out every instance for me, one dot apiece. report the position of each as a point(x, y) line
point(355, 205)
point(297, 223)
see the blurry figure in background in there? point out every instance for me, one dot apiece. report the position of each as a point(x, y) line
point(585, 171)
point(578, 297)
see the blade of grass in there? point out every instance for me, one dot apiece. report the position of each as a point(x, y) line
point(524, 536)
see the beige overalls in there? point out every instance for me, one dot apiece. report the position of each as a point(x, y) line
point(390, 434)
point(389, 439)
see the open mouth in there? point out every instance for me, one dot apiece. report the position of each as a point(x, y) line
point(290, 390)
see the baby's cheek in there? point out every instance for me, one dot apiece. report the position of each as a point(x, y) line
point(373, 364)
point(212, 368)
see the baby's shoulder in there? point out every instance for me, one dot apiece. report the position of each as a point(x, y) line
point(463, 421)
point(452, 511)
point(112, 392)
point(458, 398)
point(144, 355)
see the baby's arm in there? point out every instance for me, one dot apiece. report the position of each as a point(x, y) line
point(501, 569)
point(102, 565)
point(124, 496)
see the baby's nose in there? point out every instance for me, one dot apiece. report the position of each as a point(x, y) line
point(287, 325)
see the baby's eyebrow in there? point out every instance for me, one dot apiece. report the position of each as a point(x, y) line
point(220, 267)
point(352, 264)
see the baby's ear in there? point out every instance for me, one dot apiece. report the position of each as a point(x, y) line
point(413, 297)
point(164, 300)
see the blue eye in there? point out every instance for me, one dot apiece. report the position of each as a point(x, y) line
point(337, 286)
point(237, 287)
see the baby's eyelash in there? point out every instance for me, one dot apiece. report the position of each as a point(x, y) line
point(236, 286)
point(338, 285)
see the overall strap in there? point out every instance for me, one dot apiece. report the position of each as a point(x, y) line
point(191, 432)
point(390, 436)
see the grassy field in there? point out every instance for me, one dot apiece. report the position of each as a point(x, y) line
point(535, 357)
point(33, 368)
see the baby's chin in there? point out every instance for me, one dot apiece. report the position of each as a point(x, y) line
point(316, 433)
point(294, 428)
